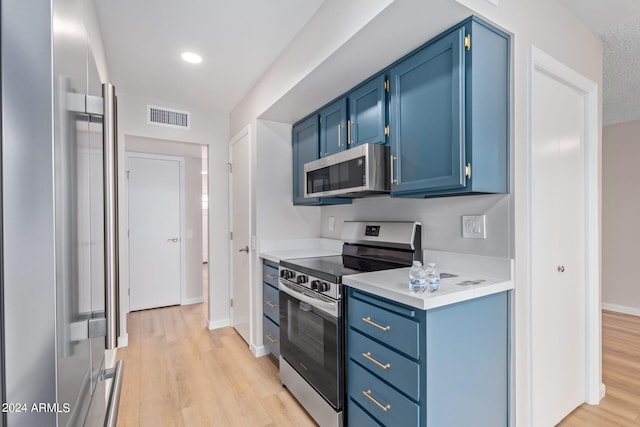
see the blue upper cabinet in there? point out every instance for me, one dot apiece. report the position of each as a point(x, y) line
point(306, 147)
point(449, 112)
point(367, 118)
point(333, 128)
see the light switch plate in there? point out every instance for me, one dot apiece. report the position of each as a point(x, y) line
point(474, 227)
point(332, 223)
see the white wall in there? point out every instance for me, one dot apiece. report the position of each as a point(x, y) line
point(209, 128)
point(620, 213)
point(192, 155)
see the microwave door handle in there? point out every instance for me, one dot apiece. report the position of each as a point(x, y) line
point(327, 307)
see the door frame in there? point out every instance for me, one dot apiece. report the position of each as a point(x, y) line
point(246, 131)
point(180, 160)
point(541, 62)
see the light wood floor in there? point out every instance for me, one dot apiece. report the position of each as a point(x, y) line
point(620, 374)
point(178, 373)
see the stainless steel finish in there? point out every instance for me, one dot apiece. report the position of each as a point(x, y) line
point(76, 102)
point(399, 235)
point(333, 290)
point(28, 255)
point(111, 215)
point(94, 105)
point(245, 249)
point(173, 240)
point(561, 268)
point(97, 327)
point(114, 398)
point(322, 303)
point(308, 397)
point(376, 171)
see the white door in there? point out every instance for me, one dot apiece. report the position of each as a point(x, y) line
point(154, 231)
point(240, 205)
point(558, 286)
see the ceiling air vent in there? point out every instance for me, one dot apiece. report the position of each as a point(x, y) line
point(168, 117)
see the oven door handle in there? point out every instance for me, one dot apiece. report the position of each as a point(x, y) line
point(330, 308)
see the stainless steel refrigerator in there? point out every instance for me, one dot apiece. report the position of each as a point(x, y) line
point(58, 282)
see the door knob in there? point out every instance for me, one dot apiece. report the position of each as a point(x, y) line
point(174, 240)
point(245, 249)
point(561, 269)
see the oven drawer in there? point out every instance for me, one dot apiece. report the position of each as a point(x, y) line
point(271, 337)
point(401, 372)
point(387, 405)
point(270, 273)
point(270, 306)
point(388, 325)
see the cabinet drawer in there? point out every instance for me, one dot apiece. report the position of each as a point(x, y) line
point(401, 372)
point(358, 417)
point(270, 275)
point(398, 332)
point(387, 405)
point(271, 337)
point(270, 303)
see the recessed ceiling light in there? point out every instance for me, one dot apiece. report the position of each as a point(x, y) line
point(192, 57)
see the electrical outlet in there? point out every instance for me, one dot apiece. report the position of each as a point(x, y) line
point(474, 227)
point(332, 223)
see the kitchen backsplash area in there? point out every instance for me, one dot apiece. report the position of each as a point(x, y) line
point(441, 220)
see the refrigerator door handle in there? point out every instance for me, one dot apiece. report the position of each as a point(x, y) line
point(114, 397)
point(110, 182)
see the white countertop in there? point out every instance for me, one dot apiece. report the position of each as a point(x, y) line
point(276, 250)
point(394, 284)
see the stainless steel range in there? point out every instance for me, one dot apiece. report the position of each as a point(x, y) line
point(312, 310)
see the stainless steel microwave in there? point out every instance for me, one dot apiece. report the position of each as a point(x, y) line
point(360, 171)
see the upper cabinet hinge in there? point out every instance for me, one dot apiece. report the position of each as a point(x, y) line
point(467, 171)
point(387, 131)
point(387, 85)
point(467, 42)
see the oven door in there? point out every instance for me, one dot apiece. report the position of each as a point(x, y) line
point(311, 339)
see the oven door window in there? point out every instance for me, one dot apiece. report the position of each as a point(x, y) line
point(341, 176)
point(310, 340)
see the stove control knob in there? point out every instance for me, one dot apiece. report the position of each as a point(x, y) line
point(324, 287)
point(286, 274)
point(315, 285)
point(302, 279)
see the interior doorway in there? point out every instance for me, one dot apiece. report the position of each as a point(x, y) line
point(193, 235)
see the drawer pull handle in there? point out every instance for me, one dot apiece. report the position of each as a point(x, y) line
point(367, 394)
point(270, 304)
point(367, 356)
point(271, 338)
point(368, 320)
point(270, 276)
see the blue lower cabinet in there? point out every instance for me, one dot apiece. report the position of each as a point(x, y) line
point(387, 405)
point(358, 417)
point(459, 375)
point(270, 305)
point(271, 337)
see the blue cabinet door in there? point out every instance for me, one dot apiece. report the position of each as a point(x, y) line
point(305, 149)
point(367, 118)
point(427, 118)
point(333, 128)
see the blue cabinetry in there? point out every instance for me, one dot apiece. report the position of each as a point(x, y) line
point(442, 367)
point(306, 147)
point(367, 112)
point(449, 114)
point(333, 127)
point(270, 309)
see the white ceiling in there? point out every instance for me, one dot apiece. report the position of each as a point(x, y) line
point(238, 40)
point(617, 22)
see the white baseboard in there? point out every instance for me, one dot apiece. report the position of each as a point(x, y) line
point(217, 324)
point(194, 300)
point(603, 390)
point(259, 351)
point(123, 340)
point(621, 309)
